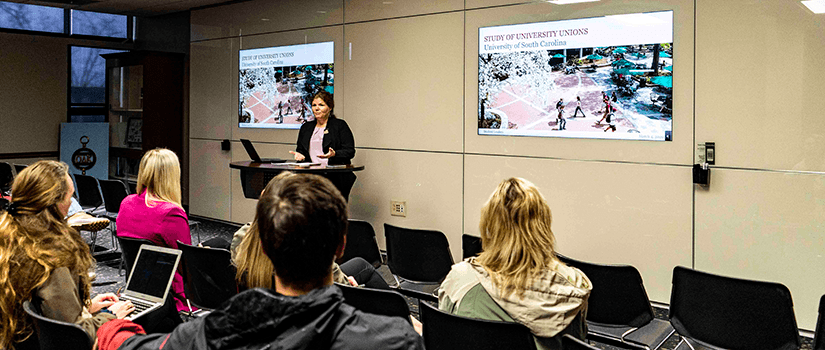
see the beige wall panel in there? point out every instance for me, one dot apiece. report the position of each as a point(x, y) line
point(263, 16)
point(430, 183)
point(334, 34)
point(602, 212)
point(472, 4)
point(33, 92)
point(678, 151)
point(765, 226)
point(759, 88)
point(367, 10)
point(406, 77)
point(243, 209)
point(213, 78)
point(209, 180)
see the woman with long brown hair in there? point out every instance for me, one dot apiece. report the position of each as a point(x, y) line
point(43, 260)
point(517, 277)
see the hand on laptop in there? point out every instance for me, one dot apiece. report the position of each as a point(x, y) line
point(101, 301)
point(122, 309)
point(298, 157)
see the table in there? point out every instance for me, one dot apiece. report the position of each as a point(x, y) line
point(255, 176)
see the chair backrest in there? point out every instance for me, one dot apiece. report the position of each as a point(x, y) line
point(19, 167)
point(452, 332)
point(88, 191)
point(618, 296)
point(6, 176)
point(417, 255)
point(113, 191)
point(376, 301)
point(361, 243)
point(57, 335)
point(569, 342)
point(129, 248)
point(732, 313)
point(209, 276)
point(470, 246)
point(819, 333)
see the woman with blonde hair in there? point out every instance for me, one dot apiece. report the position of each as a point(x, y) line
point(155, 212)
point(517, 277)
point(255, 269)
point(43, 260)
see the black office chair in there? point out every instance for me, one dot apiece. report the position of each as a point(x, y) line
point(819, 334)
point(89, 194)
point(129, 248)
point(57, 335)
point(361, 243)
point(714, 311)
point(452, 332)
point(470, 246)
point(569, 342)
point(619, 310)
point(421, 258)
point(113, 193)
point(208, 275)
point(376, 301)
point(19, 167)
point(6, 177)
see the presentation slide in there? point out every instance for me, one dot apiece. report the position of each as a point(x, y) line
point(276, 84)
point(605, 77)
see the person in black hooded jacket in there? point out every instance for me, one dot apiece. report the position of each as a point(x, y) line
point(302, 221)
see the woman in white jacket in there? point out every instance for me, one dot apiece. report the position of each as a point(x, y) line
point(517, 278)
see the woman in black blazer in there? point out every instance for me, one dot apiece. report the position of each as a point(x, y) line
point(327, 140)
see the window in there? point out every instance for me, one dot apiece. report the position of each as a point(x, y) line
point(64, 22)
point(31, 17)
point(87, 93)
point(99, 24)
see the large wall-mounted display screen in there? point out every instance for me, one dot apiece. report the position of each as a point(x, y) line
point(605, 77)
point(277, 83)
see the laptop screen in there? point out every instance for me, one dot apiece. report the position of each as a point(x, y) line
point(250, 150)
point(152, 272)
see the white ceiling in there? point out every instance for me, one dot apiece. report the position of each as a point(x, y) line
point(142, 8)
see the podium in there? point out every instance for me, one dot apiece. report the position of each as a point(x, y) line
point(255, 176)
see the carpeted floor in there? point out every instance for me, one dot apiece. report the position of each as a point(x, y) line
point(109, 278)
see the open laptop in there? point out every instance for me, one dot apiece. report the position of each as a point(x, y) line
point(150, 279)
point(253, 154)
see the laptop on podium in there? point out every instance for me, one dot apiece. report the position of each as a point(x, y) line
point(150, 279)
point(253, 154)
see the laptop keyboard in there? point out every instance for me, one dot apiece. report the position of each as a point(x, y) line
point(140, 305)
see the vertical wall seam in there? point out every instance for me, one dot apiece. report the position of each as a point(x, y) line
point(693, 149)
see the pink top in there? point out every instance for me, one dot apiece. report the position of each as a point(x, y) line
point(316, 146)
point(164, 224)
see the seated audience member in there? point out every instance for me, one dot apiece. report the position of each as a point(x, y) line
point(155, 212)
point(254, 269)
point(517, 278)
point(43, 260)
point(80, 220)
point(301, 221)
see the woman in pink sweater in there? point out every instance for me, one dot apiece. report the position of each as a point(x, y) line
point(155, 212)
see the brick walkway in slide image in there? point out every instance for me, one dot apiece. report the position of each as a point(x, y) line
point(522, 109)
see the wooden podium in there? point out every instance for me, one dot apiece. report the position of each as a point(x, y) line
point(255, 176)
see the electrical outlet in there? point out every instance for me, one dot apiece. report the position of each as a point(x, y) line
point(398, 208)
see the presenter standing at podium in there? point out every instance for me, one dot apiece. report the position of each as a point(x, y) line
point(327, 140)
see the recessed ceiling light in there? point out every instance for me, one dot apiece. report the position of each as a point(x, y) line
point(565, 2)
point(264, 19)
point(816, 6)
